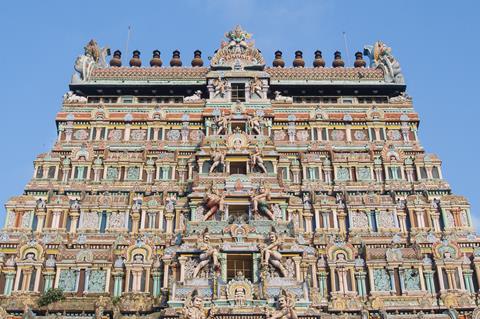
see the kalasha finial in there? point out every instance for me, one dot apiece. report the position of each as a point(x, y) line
point(197, 59)
point(359, 61)
point(156, 61)
point(298, 62)
point(318, 62)
point(135, 60)
point(337, 61)
point(278, 61)
point(175, 61)
point(116, 60)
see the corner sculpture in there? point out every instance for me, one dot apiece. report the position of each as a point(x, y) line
point(93, 57)
point(381, 57)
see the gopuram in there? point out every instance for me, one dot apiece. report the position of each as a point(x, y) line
point(238, 191)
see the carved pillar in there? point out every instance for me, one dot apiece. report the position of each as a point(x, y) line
point(308, 221)
point(222, 259)
point(166, 271)
point(117, 282)
point(9, 281)
point(169, 217)
point(135, 221)
point(156, 283)
point(182, 260)
point(41, 213)
point(297, 260)
point(48, 276)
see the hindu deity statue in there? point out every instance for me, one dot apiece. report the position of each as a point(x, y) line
point(208, 256)
point(260, 202)
point(271, 255)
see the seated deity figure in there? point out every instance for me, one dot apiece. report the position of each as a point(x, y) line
point(240, 298)
point(209, 255)
point(214, 201)
point(286, 307)
point(255, 125)
point(260, 202)
point(271, 255)
point(222, 124)
point(257, 160)
point(218, 157)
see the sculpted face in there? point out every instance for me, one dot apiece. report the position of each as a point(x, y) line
point(282, 302)
point(197, 302)
point(272, 236)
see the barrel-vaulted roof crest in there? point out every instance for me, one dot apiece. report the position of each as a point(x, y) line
point(237, 53)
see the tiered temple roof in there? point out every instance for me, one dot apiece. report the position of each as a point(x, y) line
point(237, 190)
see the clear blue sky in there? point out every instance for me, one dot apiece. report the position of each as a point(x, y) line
point(436, 43)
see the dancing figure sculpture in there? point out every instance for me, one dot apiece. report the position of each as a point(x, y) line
point(286, 307)
point(257, 160)
point(218, 157)
point(271, 255)
point(214, 201)
point(208, 256)
point(260, 202)
point(222, 124)
point(255, 124)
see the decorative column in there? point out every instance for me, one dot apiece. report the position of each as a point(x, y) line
point(9, 279)
point(117, 282)
point(156, 282)
point(307, 215)
point(256, 267)
point(169, 217)
point(135, 221)
point(222, 259)
point(468, 278)
point(361, 285)
point(41, 213)
point(297, 260)
point(182, 260)
point(166, 271)
point(48, 276)
point(392, 279)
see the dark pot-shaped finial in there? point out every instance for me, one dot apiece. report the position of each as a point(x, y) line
point(337, 61)
point(298, 62)
point(135, 60)
point(116, 60)
point(156, 61)
point(359, 61)
point(278, 61)
point(318, 62)
point(197, 59)
point(175, 61)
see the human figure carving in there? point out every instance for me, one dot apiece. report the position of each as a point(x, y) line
point(286, 307)
point(271, 255)
point(218, 157)
point(214, 201)
point(260, 202)
point(254, 122)
point(209, 255)
point(256, 87)
point(219, 87)
point(257, 160)
point(222, 124)
point(193, 308)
